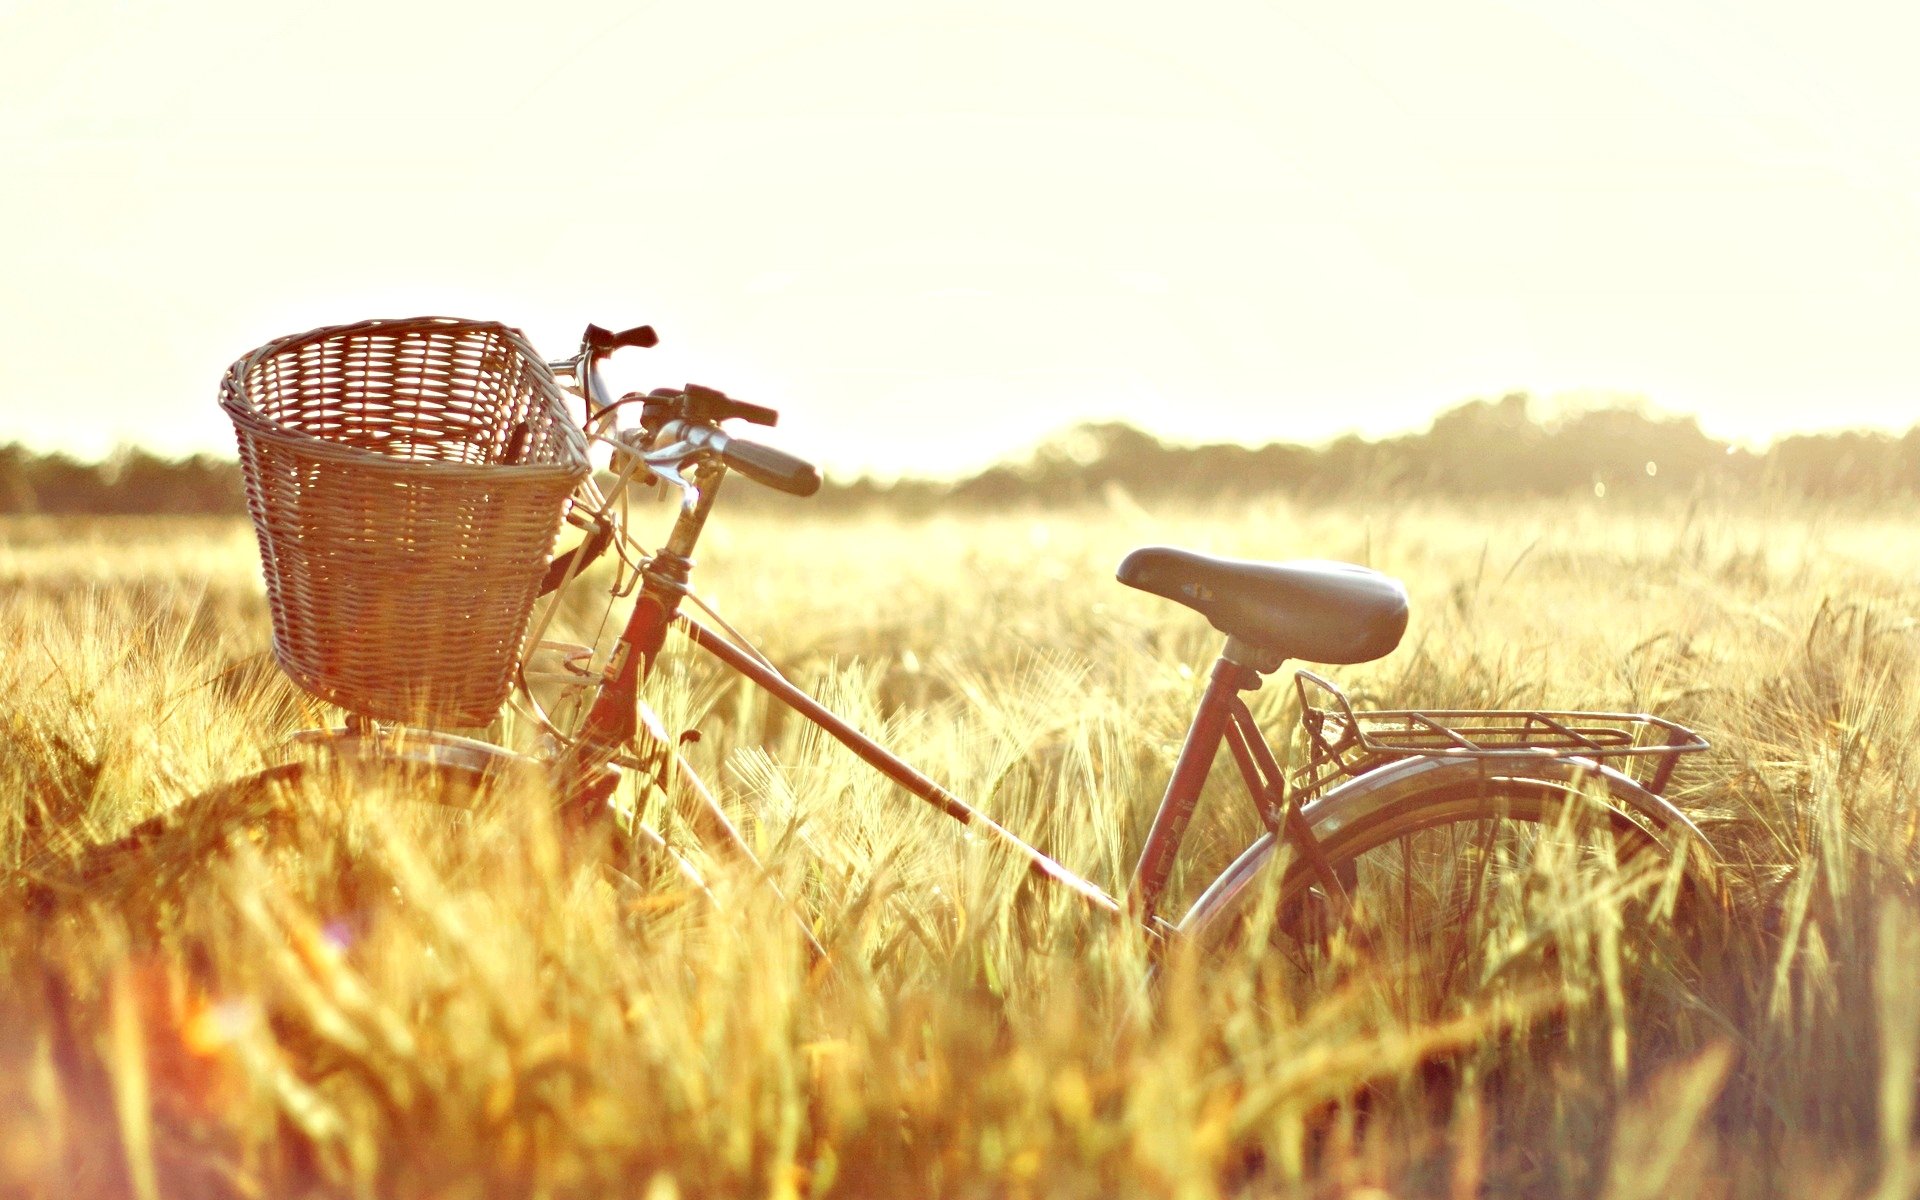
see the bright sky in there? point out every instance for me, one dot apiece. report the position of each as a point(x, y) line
point(933, 233)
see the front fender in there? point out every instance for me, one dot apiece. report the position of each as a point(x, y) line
point(426, 751)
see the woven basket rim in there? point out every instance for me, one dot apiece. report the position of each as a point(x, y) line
point(322, 332)
point(239, 407)
point(314, 446)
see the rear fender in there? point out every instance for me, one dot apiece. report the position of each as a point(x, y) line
point(1415, 781)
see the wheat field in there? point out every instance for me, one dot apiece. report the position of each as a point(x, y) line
point(350, 996)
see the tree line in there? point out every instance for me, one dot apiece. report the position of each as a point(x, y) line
point(1483, 448)
point(130, 481)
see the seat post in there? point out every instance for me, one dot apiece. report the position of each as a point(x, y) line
point(1230, 677)
point(1259, 659)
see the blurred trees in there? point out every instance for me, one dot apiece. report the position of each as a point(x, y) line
point(1483, 448)
point(130, 481)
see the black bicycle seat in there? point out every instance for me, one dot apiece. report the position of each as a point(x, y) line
point(1322, 612)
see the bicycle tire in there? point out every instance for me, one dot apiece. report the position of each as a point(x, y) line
point(259, 808)
point(1508, 810)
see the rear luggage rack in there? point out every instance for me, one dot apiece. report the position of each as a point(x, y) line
point(1343, 742)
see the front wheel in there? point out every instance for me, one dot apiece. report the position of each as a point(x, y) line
point(289, 805)
point(1463, 865)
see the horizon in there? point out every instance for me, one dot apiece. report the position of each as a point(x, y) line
point(932, 239)
point(1546, 414)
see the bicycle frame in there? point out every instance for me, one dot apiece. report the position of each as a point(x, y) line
point(1509, 747)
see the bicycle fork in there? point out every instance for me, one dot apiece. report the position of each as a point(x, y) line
point(584, 774)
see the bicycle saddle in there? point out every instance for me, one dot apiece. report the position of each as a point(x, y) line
point(1322, 612)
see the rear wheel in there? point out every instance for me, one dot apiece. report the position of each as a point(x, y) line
point(1460, 870)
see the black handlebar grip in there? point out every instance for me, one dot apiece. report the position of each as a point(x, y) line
point(605, 341)
point(775, 468)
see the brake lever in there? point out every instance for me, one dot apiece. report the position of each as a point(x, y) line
point(711, 404)
point(665, 463)
point(663, 466)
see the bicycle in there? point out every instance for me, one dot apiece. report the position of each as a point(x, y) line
point(1386, 803)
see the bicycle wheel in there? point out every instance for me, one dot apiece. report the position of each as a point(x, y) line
point(1435, 858)
point(278, 806)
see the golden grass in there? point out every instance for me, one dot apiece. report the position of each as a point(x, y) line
point(343, 996)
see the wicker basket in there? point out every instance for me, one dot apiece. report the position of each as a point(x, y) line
point(407, 479)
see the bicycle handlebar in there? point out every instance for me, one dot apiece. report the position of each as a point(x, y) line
point(683, 424)
point(685, 421)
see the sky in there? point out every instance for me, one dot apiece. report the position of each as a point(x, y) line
point(933, 234)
